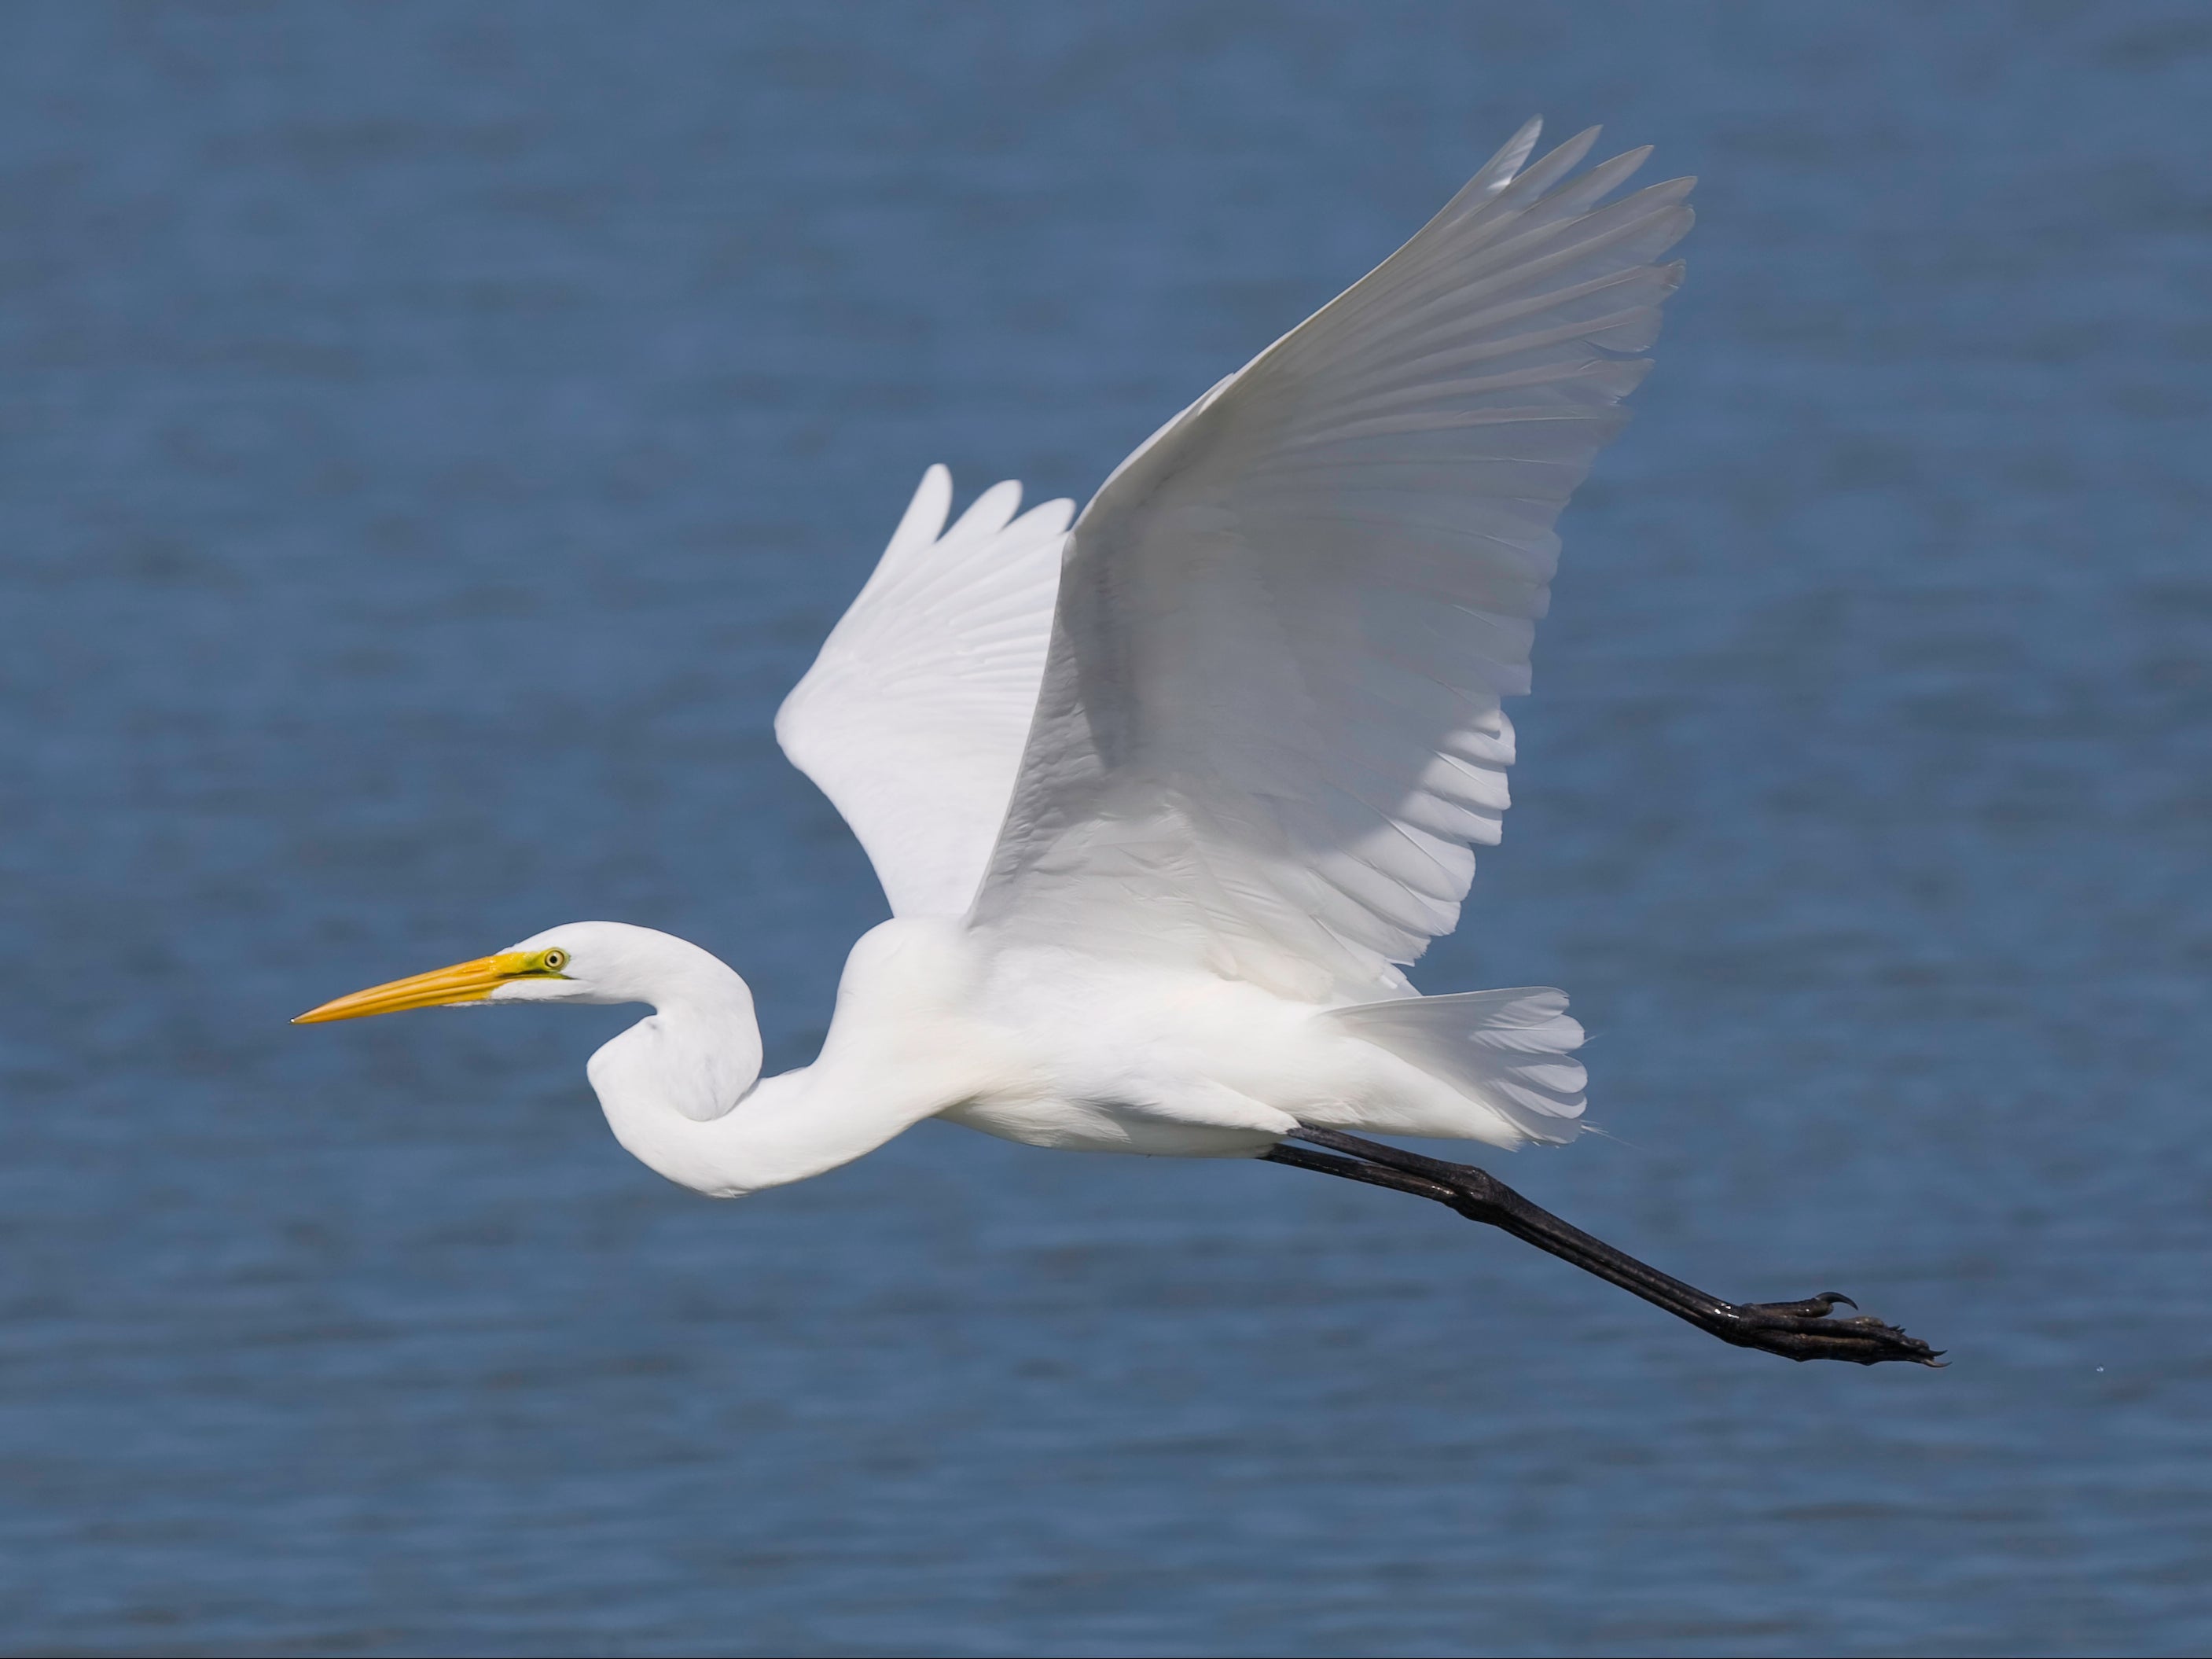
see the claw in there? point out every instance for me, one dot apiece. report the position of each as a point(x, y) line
point(1803, 1330)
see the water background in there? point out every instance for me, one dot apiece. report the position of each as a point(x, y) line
point(432, 439)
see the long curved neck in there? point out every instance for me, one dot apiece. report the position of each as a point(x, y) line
point(683, 1092)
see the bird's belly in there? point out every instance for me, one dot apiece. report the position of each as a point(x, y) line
point(1098, 1126)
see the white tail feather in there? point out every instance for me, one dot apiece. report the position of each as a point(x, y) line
point(1512, 1051)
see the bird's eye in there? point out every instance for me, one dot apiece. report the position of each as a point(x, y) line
point(555, 960)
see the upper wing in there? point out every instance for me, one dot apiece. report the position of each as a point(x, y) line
point(911, 719)
point(1270, 728)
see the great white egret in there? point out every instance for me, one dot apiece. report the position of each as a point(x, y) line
point(1164, 801)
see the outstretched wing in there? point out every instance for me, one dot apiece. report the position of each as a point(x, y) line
point(1270, 728)
point(912, 718)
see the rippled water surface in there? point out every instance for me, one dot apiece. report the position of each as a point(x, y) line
point(433, 438)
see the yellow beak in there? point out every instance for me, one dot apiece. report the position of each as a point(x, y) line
point(464, 981)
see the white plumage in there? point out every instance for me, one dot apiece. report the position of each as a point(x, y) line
point(1164, 802)
point(1270, 730)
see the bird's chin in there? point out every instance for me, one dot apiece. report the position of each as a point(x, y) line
point(540, 990)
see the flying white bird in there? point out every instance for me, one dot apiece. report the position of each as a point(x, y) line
point(1164, 801)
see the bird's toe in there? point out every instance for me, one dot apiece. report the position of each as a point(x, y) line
point(1805, 1330)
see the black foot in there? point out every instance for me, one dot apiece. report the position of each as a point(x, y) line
point(1803, 1330)
point(1795, 1330)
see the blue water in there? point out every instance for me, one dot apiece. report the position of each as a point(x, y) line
point(433, 438)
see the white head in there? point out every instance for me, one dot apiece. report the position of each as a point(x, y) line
point(601, 962)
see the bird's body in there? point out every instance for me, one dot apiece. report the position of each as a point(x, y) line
point(1164, 801)
point(1047, 1047)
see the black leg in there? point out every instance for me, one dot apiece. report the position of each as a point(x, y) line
point(1795, 1330)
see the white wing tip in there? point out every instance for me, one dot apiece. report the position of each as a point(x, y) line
point(1498, 171)
point(924, 518)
